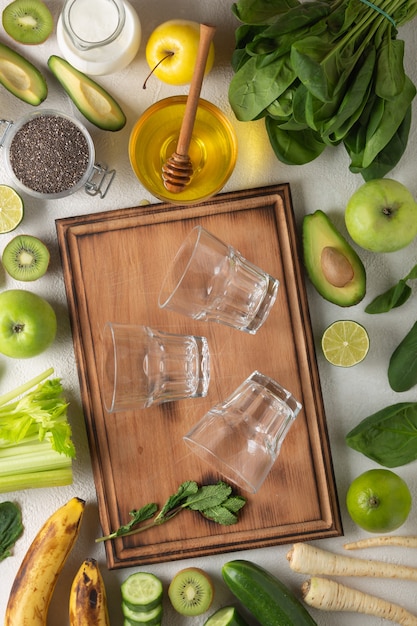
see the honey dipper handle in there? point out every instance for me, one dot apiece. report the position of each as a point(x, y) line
point(187, 125)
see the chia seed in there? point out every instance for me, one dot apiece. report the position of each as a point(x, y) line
point(49, 154)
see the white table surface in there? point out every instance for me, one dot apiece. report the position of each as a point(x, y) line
point(349, 394)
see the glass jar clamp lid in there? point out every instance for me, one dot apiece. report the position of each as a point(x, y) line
point(49, 154)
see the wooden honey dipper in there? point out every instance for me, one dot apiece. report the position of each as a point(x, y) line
point(178, 169)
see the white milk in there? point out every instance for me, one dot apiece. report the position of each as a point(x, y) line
point(96, 22)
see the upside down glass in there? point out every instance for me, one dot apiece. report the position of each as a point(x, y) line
point(142, 366)
point(209, 280)
point(242, 436)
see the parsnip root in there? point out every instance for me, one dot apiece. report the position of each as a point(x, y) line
point(328, 595)
point(306, 559)
point(384, 540)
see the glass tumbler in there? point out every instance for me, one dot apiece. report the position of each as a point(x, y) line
point(209, 280)
point(142, 367)
point(241, 437)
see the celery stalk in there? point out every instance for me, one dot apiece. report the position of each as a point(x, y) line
point(36, 448)
point(50, 478)
point(11, 395)
point(34, 457)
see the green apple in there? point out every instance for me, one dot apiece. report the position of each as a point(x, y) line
point(171, 51)
point(27, 324)
point(381, 216)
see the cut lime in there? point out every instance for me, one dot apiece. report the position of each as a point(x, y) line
point(11, 209)
point(142, 591)
point(226, 616)
point(345, 343)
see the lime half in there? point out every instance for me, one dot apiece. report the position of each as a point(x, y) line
point(345, 343)
point(11, 209)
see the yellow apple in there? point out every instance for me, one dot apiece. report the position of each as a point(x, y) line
point(171, 51)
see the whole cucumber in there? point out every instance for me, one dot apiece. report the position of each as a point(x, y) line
point(264, 595)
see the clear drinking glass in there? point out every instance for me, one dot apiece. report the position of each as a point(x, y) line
point(142, 366)
point(210, 280)
point(242, 436)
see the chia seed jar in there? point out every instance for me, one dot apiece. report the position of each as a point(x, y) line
point(51, 155)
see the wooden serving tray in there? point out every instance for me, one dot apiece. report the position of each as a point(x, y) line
point(114, 263)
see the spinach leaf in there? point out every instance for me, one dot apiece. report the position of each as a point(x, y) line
point(394, 297)
point(388, 436)
point(261, 11)
point(253, 88)
point(390, 77)
point(394, 113)
point(11, 527)
point(402, 367)
point(294, 147)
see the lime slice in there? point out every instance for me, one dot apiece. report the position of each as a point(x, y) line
point(345, 343)
point(11, 209)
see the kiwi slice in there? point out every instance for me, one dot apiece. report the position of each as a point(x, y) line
point(25, 258)
point(191, 591)
point(28, 21)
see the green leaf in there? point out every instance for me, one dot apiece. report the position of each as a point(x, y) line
point(11, 527)
point(221, 515)
point(208, 496)
point(185, 490)
point(253, 88)
point(294, 147)
point(390, 76)
point(392, 298)
point(137, 516)
point(388, 436)
point(402, 367)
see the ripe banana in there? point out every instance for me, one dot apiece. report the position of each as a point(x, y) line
point(35, 580)
point(88, 602)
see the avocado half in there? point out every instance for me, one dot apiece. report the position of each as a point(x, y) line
point(92, 100)
point(332, 265)
point(21, 77)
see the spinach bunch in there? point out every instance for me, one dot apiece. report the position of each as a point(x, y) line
point(323, 73)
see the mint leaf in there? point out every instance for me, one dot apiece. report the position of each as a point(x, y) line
point(208, 496)
point(185, 490)
point(214, 502)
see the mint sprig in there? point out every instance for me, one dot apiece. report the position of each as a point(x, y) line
point(214, 502)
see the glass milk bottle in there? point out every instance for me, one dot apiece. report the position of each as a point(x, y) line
point(98, 36)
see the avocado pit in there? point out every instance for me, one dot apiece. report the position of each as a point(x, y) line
point(336, 268)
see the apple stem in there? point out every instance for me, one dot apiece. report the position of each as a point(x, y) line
point(169, 54)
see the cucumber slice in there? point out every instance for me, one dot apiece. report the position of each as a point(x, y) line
point(142, 591)
point(140, 618)
point(21, 77)
point(91, 99)
point(227, 616)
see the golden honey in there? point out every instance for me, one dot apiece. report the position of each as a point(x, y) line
point(213, 149)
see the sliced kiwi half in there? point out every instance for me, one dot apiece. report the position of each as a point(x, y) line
point(191, 591)
point(27, 21)
point(25, 258)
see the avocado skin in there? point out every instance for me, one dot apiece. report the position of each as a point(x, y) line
point(37, 90)
point(319, 232)
point(83, 90)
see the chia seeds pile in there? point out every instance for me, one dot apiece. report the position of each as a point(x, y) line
point(49, 154)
